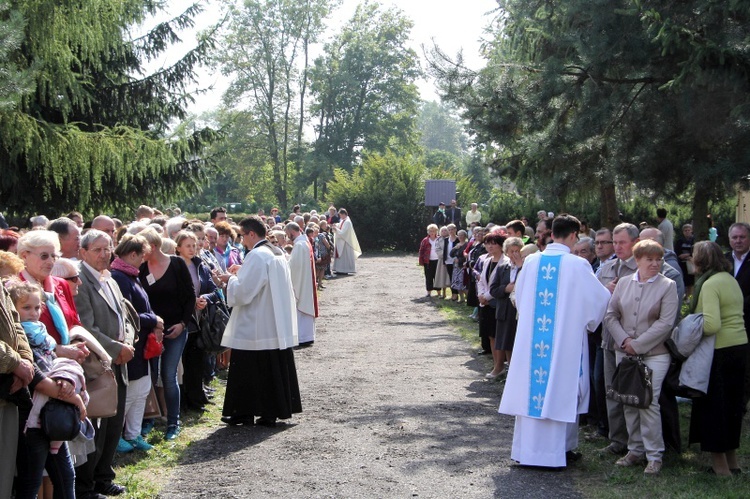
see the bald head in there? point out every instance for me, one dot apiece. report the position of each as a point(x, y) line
point(652, 234)
point(104, 224)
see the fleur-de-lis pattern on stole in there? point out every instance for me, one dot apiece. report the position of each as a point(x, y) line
point(545, 307)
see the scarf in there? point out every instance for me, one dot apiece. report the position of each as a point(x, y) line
point(58, 318)
point(36, 332)
point(124, 267)
point(697, 289)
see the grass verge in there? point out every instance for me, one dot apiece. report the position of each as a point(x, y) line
point(145, 473)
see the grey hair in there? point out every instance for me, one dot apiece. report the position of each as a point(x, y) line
point(588, 241)
point(36, 239)
point(631, 229)
point(740, 224)
point(93, 235)
point(64, 267)
point(512, 242)
point(603, 230)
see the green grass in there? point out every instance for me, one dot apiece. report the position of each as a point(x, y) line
point(682, 476)
point(144, 473)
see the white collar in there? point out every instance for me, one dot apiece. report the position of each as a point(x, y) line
point(100, 276)
point(635, 277)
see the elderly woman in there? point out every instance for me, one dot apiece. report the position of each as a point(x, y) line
point(501, 288)
point(169, 287)
point(67, 269)
point(193, 358)
point(130, 252)
point(716, 419)
point(458, 286)
point(39, 249)
point(640, 318)
point(442, 277)
point(485, 272)
point(428, 257)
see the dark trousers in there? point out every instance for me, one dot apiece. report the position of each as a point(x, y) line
point(429, 275)
point(97, 470)
point(600, 393)
point(33, 456)
point(670, 418)
point(192, 378)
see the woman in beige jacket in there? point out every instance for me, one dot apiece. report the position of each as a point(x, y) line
point(640, 317)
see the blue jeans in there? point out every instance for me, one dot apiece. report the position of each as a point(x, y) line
point(169, 360)
point(33, 456)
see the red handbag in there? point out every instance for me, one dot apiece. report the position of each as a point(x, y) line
point(153, 347)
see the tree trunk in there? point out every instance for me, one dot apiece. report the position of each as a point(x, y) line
point(700, 212)
point(609, 215)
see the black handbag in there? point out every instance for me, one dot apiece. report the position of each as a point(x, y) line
point(631, 384)
point(60, 420)
point(212, 325)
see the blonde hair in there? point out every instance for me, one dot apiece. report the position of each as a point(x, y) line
point(168, 246)
point(10, 263)
point(19, 290)
point(182, 236)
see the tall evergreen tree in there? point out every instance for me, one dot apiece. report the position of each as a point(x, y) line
point(93, 133)
point(588, 94)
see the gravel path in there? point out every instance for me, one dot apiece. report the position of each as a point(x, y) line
point(395, 405)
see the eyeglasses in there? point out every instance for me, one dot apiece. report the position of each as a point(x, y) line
point(602, 243)
point(46, 256)
point(73, 278)
point(99, 251)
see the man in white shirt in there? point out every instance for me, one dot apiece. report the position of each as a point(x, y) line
point(262, 332)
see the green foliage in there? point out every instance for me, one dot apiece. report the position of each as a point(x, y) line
point(14, 81)
point(91, 136)
point(385, 199)
point(261, 50)
point(588, 96)
point(365, 91)
point(440, 130)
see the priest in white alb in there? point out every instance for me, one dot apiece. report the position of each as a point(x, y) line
point(302, 268)
point(262, 333)
point(559, 299)
point(346, 245)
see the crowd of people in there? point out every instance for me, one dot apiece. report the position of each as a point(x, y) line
point(544, 296)
point(117, 321)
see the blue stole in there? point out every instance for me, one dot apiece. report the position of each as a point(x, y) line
point(545, 307)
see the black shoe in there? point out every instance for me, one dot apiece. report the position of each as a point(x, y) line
point(269, 422)
point(238, 420)
point(109, 489)
point(572, 456)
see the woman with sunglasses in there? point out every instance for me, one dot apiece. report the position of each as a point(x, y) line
point(39, 249)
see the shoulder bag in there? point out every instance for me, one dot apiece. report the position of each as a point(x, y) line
point(102, 388)
point(631, 384)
